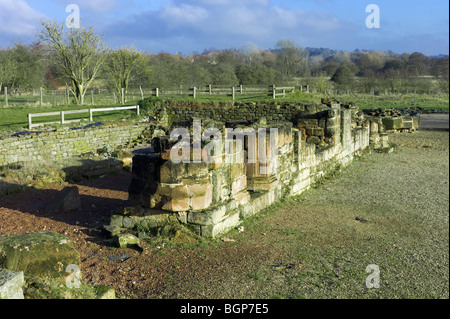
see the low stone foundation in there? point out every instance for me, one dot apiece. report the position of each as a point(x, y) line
point(395, 120)
point(218, 185)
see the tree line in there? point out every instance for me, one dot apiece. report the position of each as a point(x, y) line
point(77, 59)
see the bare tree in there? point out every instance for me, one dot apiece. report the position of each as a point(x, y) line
point(120, 66)
point(80, 53)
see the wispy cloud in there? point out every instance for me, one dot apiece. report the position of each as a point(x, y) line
point(18, 19)
point(223, 23)
point(194, 25)
point(183, 15)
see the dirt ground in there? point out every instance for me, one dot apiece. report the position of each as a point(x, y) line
point(310, 246)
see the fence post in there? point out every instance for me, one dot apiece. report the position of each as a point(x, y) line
point(62, 117)
point(6, 96)
point(90, 114)
point(42, 98)
point(157, 92)
point(232, 92)
point(209, 89)
point(29, 121)
point(307, 88)
point(241, 88)
point(92, 97)
point(142, 93)
point(123, 96)
point(273, 91)
point(195, 92)
point(137, 109)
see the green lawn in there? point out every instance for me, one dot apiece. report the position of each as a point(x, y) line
point(363, 101)
point(16, 118)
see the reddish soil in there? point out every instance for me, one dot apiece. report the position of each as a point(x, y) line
point(163, 269)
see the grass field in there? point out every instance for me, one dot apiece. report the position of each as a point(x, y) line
point(14, 118)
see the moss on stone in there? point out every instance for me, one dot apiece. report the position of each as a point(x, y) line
point(37, 253)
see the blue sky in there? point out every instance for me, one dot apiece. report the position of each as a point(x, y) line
point(194, 25)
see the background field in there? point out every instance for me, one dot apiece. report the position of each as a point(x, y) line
point(14, 118)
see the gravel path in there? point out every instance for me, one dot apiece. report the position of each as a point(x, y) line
point(434, 121)
point(390, 210)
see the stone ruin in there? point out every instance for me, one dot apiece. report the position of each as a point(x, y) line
point(208, 171)
point(396, 120)
point(209, 176)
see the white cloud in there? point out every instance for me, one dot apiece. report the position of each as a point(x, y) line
point(17, 18)
point(183, 15)
point(227, 23)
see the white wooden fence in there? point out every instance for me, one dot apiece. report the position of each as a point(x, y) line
point(223, 90)
point(62, 115)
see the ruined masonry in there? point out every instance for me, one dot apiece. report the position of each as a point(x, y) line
point(216, 194)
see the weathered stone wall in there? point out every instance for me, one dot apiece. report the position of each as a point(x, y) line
point(47, 146)
point(237, 111)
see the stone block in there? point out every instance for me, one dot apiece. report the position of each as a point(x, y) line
point(125, 240)
point(239, 185)
point(416, 122)
point(112, 230)
point(313, 140)
point(335, 121)
point(145, 166)
point(262, 183)
point(128, 222)
point(116, 220)
point(200, 196)
point(237, 170)
point(373, 127)
point(242, 198)
point(334, 112)
point(177, 204)
point(38, 253)
point(332, 131)
point(212, 231)
point(171, 172)
point(307, 123)
point(185, 154)
point(408, 124)
point(208, 217)
point(248, 210)
point(392, 123)
point(11, 283)
point(318, 132)
point(66, 200)
point(197, 170)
